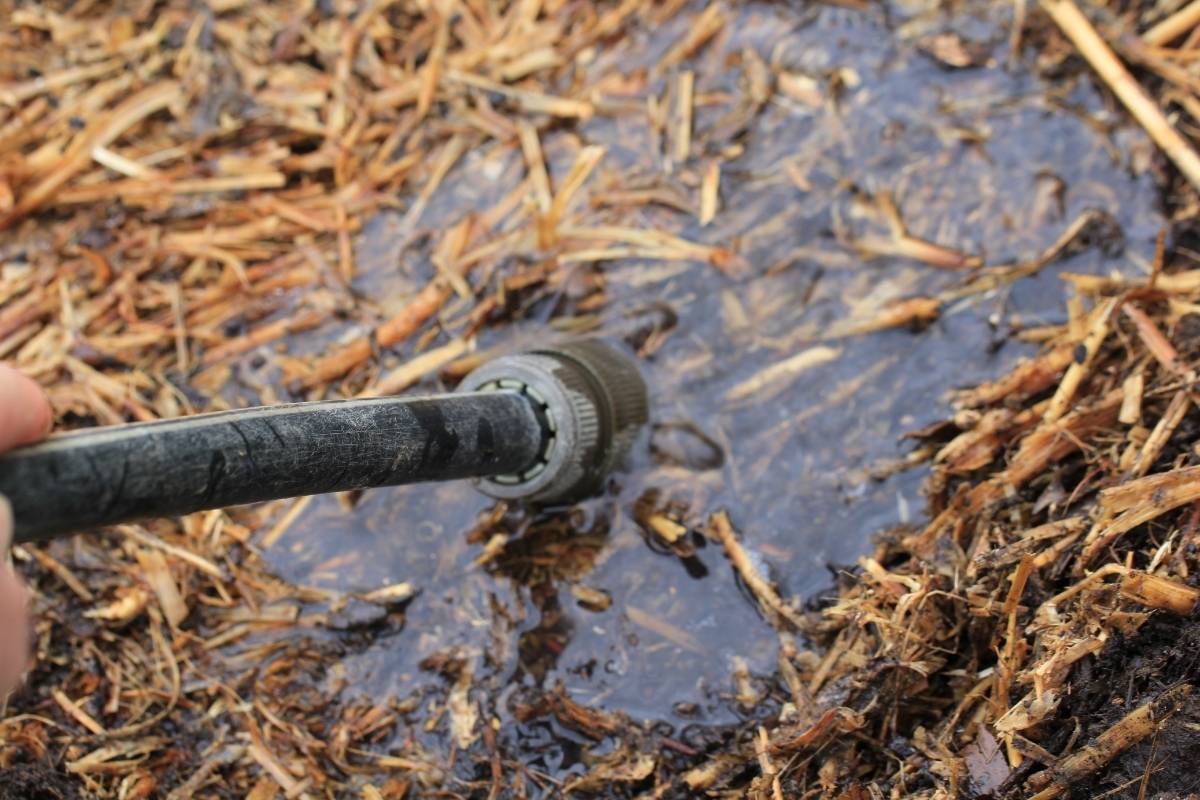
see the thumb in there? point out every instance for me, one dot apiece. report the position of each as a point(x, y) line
point(24, 413)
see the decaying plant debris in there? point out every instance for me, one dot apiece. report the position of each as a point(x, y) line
point(1034, 638)
point(182, 185)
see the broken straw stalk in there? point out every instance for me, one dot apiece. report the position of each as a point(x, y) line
point(1092, 47)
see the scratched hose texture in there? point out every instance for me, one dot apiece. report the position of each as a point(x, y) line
point(89, 479)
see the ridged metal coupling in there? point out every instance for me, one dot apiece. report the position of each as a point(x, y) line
point(594, 403)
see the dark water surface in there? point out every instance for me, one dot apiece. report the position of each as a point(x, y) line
point(987, 160)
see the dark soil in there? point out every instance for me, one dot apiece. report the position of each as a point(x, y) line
point(1129, 673)
point(36, 782)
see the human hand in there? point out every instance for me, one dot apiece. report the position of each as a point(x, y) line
point(24, 418)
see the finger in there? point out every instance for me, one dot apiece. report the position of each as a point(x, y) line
point(24, 413)
point(6, 529)
point(14, 629)
point(14, 609)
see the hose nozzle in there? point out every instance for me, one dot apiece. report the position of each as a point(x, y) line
point(592, 401)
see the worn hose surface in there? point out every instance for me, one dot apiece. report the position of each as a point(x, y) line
point(103, 476)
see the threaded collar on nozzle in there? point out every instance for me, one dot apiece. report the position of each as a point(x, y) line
point(592, 401)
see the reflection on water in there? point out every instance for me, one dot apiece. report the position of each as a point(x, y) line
point(620, 600)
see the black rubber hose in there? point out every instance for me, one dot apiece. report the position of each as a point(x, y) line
point(103, 476)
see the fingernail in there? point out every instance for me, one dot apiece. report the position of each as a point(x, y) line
point(6, 525)
point(49, 423)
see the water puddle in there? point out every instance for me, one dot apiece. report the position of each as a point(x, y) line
point(986, 160)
